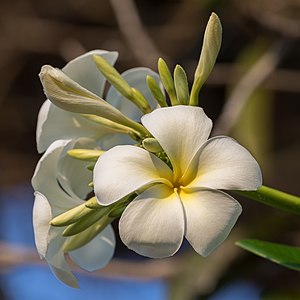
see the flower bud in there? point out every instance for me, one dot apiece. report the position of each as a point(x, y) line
point(181, 85)
point(210, 49)
point(156, 91)
point(167, 80)
point(152, 145)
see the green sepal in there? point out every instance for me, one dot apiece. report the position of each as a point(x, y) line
point(91, 166)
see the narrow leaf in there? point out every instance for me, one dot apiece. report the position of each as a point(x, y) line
point(284, 255)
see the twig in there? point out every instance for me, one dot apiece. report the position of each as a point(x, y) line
point(133, 30)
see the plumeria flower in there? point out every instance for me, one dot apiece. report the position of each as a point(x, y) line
point(58, 188)
point(55, 123)
point(184, 200)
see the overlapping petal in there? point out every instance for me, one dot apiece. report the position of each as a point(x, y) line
point(153, 223)
point(222, 163)
point(180, 130)
point(72, 174)
point(51, 200)
point(125, 169)
point(49, 187)
point(210, 216)
point(136, 78)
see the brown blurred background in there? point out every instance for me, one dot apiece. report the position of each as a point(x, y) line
point(252, 95)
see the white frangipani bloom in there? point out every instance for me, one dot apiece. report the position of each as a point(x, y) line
point(55, 123)
point(184, 201)
point(58, 188)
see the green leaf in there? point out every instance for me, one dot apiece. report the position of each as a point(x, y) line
point(283, 255)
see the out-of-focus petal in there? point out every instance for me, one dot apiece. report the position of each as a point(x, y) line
point(123, 170)
point(97, 253)
point(55, 123)
point(72, 174)
point(153, 223)
point(84, 71)
point(210, 216)
point(180, 130)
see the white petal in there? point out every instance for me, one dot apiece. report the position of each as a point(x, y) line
point(136, 78)
point(72, 174)
point(97, 253)
point(153, 224)
point(55, 123)
point(180, 130)
point(41, 218)
point(222, 163)
point(210, 216)
point(55, 257)
point(84, 71)
point(44, 180)
point(123, 170)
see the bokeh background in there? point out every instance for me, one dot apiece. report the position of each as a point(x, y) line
point(252, 95)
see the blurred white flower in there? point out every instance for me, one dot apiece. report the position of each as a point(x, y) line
point(55, 123)
point(182, 201)
point(61, 183)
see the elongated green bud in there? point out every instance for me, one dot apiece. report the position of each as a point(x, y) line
point(89, 219)
point(156, 91)
point(113, 76)
point(141, 101)
point(167, 81)
point(116, 127)
point(116, 80)
point(69, 95)
point(210, 49)
point(85, 154)
point(70, 216)
point(181, 85)
point(152, 145)
point(81, 239)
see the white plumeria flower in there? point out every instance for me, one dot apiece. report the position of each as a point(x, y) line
point(58, 188)
point(55, 123)
point(184, 201)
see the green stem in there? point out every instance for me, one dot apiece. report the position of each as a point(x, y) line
point(274, 198)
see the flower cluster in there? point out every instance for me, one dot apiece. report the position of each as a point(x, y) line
point(138, 156)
